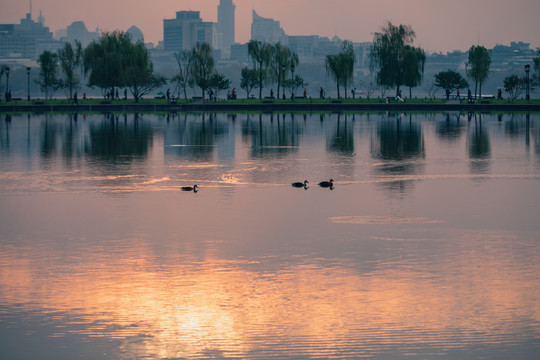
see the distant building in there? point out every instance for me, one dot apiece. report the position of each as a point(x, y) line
point(239, 53)
point(362, 52)
point(186, 30)
point(518, 54)
point(77, 32)
point(225, 26)
point(267, 30)
point(26, 40)
point(136, 34)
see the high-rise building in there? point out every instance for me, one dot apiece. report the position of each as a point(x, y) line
point(267, 30)
point(188, 29)
point(225, 25)
point(26, 40)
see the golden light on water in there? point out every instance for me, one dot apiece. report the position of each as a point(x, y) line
point(190, 305)
point(382, 220)
point(416, 253)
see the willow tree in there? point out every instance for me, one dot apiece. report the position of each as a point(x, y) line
point(478, 65)
point(415, 59)
point(115, 61)
point(536, 74)
point(282, 60)
point(138, 72)
point(104, 60)
point(391, 56)
point(202, 67)
point(341, 66)
point(70, 59)
point(333, 69)
point(260, 53)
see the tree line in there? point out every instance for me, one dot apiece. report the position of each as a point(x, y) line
point(114, 61)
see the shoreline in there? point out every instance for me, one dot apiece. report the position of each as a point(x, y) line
point(265, 107)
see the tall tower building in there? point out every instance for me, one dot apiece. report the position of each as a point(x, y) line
point(225, 24)
point(267, 30)
point(186, 30)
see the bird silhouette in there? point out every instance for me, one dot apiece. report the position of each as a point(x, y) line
point(300, 184)
point(327, 184)
point(193, 188)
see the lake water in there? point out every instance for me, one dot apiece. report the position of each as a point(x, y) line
point(427, 247)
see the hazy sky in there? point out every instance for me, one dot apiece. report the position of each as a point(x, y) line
point(441, 25)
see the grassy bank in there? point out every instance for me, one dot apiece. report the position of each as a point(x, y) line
point(251, 101)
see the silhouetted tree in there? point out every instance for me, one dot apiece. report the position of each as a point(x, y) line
point(282, 60)
point(70, 59)
point(391, 55)
point(181, 79)
point(515, 86)
point(48, 81)
point(249, 79)
point(294, 84)
point(333, 69)
point(104, 60)
point(449, 81)
point(219, 82)
point(138, 72)
point(478, 65)
point(415, 59)
point(347, 64)
point(536, 75)
point(260, 53)
point(202, 67)
point(115, 61)
point(341, 66)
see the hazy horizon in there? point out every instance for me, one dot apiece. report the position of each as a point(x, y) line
point(439, 25)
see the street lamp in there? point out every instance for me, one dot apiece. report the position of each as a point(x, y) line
point(293, 85)
point(28, 69)
point(527, 70)
point(7, 83)
point(283, 69)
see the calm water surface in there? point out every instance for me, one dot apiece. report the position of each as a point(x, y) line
point(426, 248)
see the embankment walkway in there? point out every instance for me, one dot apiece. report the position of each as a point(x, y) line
point(267, 107)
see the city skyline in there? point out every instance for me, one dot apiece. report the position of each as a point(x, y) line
point(459, 24)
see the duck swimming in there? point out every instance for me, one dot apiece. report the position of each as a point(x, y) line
point(189, 188)
point(300, 184)
point(327, 184)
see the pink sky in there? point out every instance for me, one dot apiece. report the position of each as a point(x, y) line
point(440, 25)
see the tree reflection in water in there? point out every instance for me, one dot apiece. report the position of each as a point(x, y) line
point(479, 146)
point(400, 147)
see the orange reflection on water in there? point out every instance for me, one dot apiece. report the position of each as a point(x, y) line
point(185, 306)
